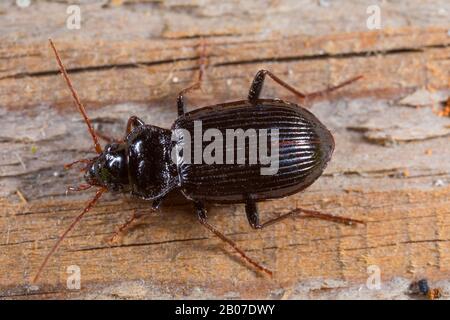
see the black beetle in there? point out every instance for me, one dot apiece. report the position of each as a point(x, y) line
point(145, 165)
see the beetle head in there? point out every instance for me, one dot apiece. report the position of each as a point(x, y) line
point(109, 169)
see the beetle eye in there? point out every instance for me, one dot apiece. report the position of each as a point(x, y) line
point(105, 175)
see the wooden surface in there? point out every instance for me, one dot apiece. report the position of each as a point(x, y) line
point(391, 165)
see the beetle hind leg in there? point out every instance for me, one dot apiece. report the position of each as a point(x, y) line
point(253, 216)
point(258, 83)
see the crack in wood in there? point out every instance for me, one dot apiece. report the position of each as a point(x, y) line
point(345, 55)
point(323, 56)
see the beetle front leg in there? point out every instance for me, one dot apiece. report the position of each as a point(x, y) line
point(132, 123)
point(201, 215)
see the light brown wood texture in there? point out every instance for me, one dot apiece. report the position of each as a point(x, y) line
point(391, 166)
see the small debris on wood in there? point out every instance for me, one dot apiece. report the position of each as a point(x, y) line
point(21, 196)
point(21, 161)
point(113, 3)
point(422, 288)
point(439, 183)
point(446, 110)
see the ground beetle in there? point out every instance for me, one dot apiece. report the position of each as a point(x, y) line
point(142, 162)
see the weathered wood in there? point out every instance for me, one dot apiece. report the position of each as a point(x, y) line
point(390, 166)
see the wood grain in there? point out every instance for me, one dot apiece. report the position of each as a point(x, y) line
point(390, 167)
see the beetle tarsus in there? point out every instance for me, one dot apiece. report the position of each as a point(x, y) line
point(321, 93)
point(253, 216)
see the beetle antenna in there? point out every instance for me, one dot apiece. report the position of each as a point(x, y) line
point(81, 108)
point(72, 225)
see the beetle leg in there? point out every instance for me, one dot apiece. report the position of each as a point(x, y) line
point(136, 215)
point(324, 92)
point(201, 214)
point(121, 229)
point(157, 203)
point(258, 82)
point(132, 123)
point(252, 214)
point(196, 85)
point(312, 214)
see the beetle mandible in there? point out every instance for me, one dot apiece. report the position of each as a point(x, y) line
point(142, 162)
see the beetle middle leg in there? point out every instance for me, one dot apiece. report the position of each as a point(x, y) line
point(124, 226)
point(201, 214)
point(258, 82)
point(197, 84)
point(253, 216)
point(136, 216)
